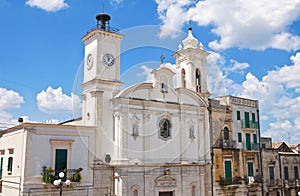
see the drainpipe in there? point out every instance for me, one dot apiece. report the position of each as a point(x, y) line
point(260, 154)
point(212, 151)
point(282, 181)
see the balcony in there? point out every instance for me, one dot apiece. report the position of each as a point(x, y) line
point(273, 182)
point(230, 181)
point(49, 175)
point(249, 124)
point(291, 183)
point(226, 144)
point(253, 179)
point(250, 146)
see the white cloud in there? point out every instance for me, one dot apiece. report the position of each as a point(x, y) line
point(48, 5)
point(173, 16)
point(146, 72)
point(276, 101)
point(54, 101)
point(236, 67)
point(117, 1)
point(254, 24)
point(9, 100)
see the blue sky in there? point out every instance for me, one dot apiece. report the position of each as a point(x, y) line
point(254, 50)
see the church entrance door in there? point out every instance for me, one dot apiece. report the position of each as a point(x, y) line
point(170, 193)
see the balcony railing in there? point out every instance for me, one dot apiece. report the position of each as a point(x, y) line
point(253, 179)
point(230, 181)
point(250, 146)
point(49, 175)
point(226, 143)
point(291, 183)
point(273, 182)
point(249, 124)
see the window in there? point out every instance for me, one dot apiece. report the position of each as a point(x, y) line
point(165, 128)
point(198, 81)
point(183, 78)
point(135, 192)
point(226, 133)
point(253, 117)
point(286, 172)
point(296, 172)
point(10, 151)
point(250, 169)
point(2, 152)
point(247, 120)
point(254, 138)
point(239, 137)
point(271, 173)
point(238, 115)
point(263, 145)
point(10, 165)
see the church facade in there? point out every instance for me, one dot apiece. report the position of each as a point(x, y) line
point(151, 138)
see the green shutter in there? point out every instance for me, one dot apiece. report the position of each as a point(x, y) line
point(253, 117)
point(239, 137)
point(271, 173)
point(250, 168)
point(247, 120)
point(248, 142)
point(60, 160)
point(254, 138)
point(238, 115)
point(228, 170)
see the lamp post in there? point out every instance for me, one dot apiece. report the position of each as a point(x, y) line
point(59, 183)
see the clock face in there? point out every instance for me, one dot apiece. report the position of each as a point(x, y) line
point(108, 60)
point(89, 61)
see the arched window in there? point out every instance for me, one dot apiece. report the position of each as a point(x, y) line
point(135, 192)
point(165, 128)
point(10, 165)
point(226, 133)
point(164, 88)
point(183, 78)
point(198, 81)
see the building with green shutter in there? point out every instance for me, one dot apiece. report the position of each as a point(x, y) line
point(235, 146)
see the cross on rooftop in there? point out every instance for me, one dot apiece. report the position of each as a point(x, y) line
point(162, 58)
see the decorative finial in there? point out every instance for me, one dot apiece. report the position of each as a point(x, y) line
point(162, 59)
point(190, 25)
point(103, 7)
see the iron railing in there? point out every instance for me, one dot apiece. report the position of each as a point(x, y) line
point(249, 124)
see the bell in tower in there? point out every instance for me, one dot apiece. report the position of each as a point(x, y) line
point(103, 21)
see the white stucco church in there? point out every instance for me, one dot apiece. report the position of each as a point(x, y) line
point(148, 139)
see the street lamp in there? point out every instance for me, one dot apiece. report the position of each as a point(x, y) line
point(59, 183)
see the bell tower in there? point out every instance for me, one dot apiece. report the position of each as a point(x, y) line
point(191, 65)
point(101, 81)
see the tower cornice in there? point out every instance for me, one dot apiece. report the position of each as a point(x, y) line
point(102, 33)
